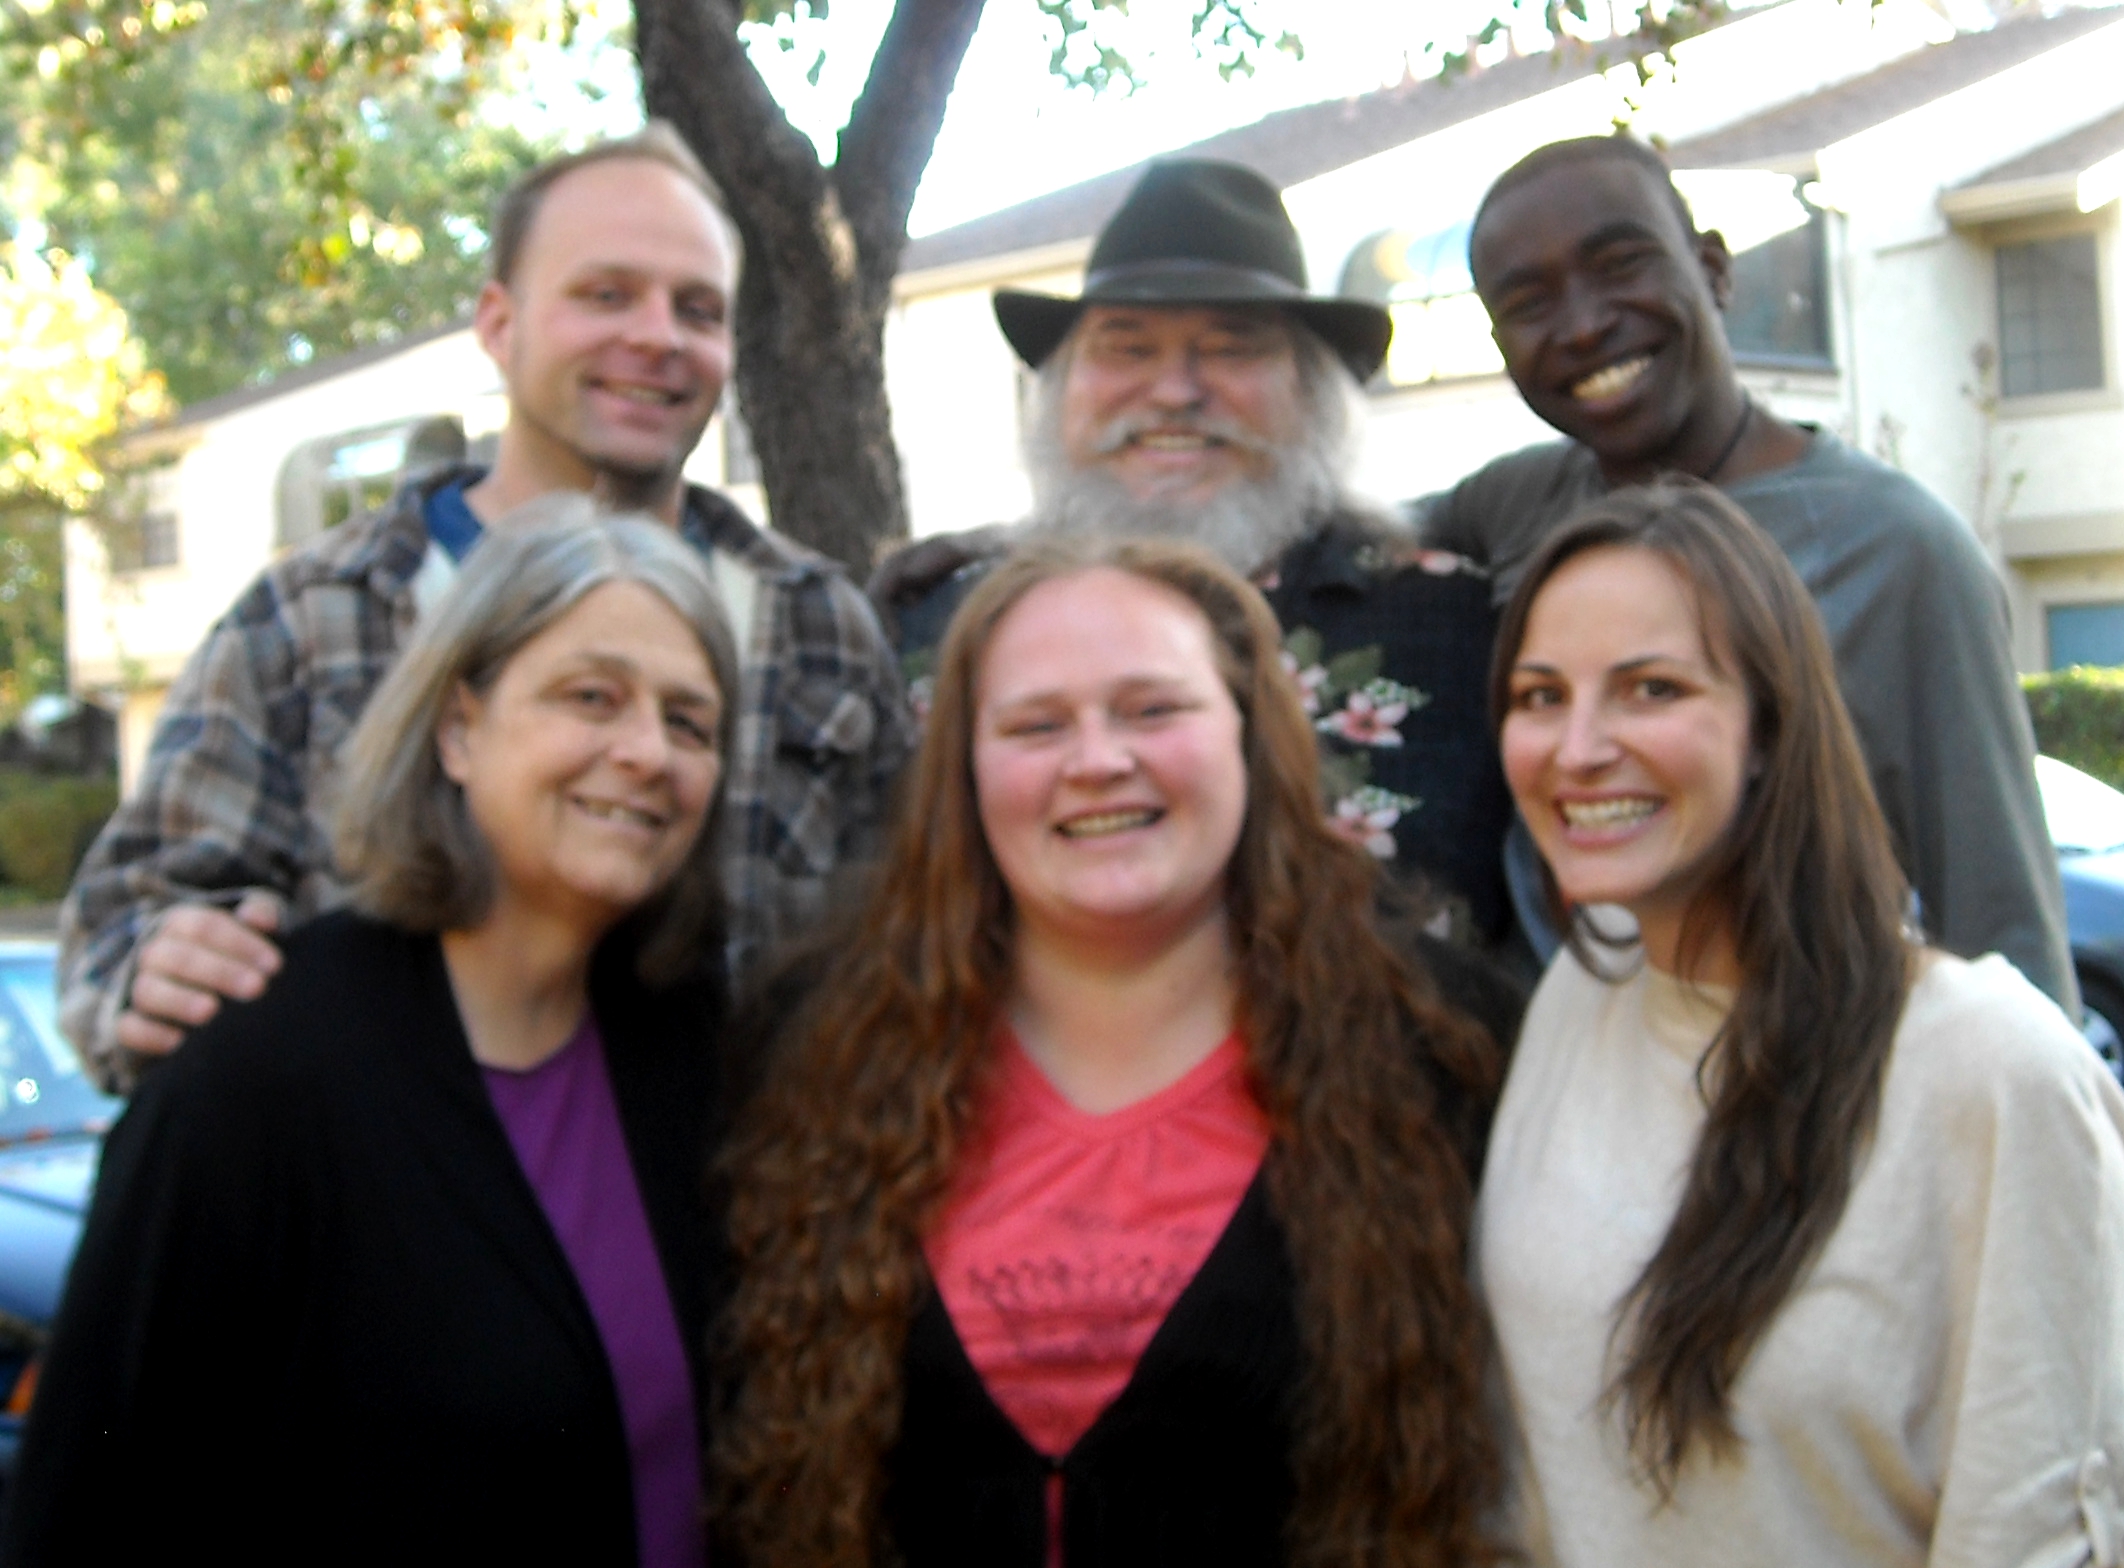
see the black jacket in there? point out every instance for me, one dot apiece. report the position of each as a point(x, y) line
point(318, 1314)
point(1190, 1464)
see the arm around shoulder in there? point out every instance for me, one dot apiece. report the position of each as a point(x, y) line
point(218, 813)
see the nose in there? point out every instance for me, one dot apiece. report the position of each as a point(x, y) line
point(1098, 751)
point(1585, 744)
point(639, 741)
point(653, 324)
point(1587, 313)
point(1176, 381)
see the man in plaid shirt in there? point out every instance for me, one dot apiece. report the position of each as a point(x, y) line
point(608, 315)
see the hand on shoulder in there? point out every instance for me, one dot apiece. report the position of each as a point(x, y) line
point(198, 956)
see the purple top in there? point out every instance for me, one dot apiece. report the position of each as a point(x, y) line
point(564, 1124)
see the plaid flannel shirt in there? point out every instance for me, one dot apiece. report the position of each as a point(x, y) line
point(240, 782)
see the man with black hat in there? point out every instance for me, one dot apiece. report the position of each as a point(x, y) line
point(1197, 390)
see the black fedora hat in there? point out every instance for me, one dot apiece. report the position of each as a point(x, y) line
point(1198, 232)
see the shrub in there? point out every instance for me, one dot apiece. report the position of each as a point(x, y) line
point(2079, 718)
point(46, 826)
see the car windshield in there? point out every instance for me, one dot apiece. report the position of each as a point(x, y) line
point(2086, 816)
point(42, 1087)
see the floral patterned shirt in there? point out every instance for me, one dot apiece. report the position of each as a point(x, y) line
point(1390, 644)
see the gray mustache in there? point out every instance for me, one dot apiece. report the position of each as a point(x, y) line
point(1124, 428)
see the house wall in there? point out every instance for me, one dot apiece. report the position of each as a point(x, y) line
point(1912, 300)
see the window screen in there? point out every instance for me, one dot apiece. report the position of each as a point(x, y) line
point(2050, 316)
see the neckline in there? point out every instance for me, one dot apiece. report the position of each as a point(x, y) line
point(1024, 1077)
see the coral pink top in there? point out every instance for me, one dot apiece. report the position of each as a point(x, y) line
point(1067, 1237)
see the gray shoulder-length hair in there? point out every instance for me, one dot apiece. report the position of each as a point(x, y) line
point(403, 839)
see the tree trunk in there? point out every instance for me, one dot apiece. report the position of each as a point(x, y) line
point(821, 248)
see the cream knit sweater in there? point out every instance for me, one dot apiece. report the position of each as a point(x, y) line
point(1946, 1386)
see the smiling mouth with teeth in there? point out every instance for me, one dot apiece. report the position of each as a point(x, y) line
point(613, 811)
point(654, 397)
point(1100, 823)
point(1611, 379)
point(1624, 811)
point(1174, 440)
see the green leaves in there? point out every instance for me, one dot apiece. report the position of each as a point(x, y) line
point(280, 179)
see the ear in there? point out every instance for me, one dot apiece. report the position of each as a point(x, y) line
point(1717, 262)
point(493, 315)
point(453, 746)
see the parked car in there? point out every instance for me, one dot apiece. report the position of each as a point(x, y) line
point(2086, 819)
point(52, 1121)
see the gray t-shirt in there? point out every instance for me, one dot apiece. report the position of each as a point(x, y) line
point(1917, 620)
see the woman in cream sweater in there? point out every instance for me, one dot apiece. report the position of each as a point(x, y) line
point(1804, 1241)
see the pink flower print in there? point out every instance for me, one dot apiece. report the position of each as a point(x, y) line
point(1366, 720)
point(1311, 681)
point(1367, 817)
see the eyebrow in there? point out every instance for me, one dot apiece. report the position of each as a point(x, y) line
point(1620, 667)
point(1127, 685)
point(620, 664)
point(1622, 229)
point(1613, 233)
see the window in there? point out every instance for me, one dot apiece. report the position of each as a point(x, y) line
point(142, 543)
point(1441, 330)
point(326, 481)
point(2050, 316)
point(1777, 315)
point(2085, 634)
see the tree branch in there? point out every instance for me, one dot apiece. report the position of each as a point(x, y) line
point(893, 129)
point(696, 74)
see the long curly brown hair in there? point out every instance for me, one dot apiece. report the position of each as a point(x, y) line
point(1805, 881)
point(841, 1162)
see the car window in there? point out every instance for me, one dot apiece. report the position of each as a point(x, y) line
point(2085, 816)
point(42, 1087)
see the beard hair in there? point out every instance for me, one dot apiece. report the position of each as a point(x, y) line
point(1250, 521)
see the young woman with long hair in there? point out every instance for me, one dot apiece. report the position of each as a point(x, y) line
point(1804, 1242)
point(1107, 1203)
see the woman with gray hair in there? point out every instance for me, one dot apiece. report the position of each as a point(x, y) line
point(404, 1261)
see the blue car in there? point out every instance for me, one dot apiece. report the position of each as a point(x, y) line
point(52, 1121)
point(2086, 820)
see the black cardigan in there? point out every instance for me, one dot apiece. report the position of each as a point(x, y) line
point(1191, 1462)
point(318, 1314)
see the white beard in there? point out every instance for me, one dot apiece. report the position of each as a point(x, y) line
point(1249, 522)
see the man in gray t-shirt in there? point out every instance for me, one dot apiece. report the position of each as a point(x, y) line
point(1606, 304)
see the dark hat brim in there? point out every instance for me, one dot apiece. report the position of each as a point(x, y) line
point(1357, 331)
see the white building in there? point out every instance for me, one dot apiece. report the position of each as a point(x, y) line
point(1926, 233)
point(1925, 229)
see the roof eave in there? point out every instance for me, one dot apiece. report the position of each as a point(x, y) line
point(2000, 201)
point(988, 271)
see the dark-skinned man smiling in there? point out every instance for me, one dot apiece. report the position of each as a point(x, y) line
point(1606, 302)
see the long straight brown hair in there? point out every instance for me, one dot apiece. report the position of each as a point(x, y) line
point(840, 1164)
point(1805, 882)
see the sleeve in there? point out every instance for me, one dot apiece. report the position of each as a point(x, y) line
point(1442, 521)
point(219, 811)
point(875, 672)
point(1980, 853)
point(2031, 1147)
point(154, 1411)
